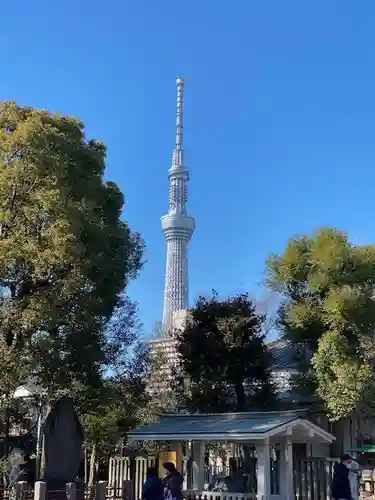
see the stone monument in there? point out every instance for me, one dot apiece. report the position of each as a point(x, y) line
point(63, 438)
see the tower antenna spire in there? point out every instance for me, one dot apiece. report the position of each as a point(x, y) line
point(179, 112)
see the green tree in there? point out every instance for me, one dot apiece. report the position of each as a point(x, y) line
point(120, 405)
point(327, 311)
point(65, 254)
point(223, 355)
point(119, 401)
point(14, 367)
point(115, 399)
point(100, 429)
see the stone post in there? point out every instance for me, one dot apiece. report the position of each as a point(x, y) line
point(40, 490)
point(100, 490)
point(71, 491)
point(20, 487)
point(128, 489)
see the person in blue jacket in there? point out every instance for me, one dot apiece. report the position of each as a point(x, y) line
point(340, 482)
point(153, 488)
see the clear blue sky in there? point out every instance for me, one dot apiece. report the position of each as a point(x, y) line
point(279, 117)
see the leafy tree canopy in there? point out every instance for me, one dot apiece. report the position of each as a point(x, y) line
point(326, 286)
point(65, 254)
point(223, 355)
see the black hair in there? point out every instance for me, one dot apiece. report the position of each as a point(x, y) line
point(345, 457)
point(169, 466)
point(151, 471)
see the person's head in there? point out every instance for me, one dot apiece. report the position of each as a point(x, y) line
point(345, 459)
point(232, 465)
point(151, 472)
point(169, 467)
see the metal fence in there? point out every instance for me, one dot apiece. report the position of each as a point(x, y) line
point(124, 471)
point(101, 491)
point(312, 479)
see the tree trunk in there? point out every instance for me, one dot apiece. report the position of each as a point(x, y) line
point(85, 455)
point(7, 431)
point(92, 466)
point(42, 467)
point(43, 446)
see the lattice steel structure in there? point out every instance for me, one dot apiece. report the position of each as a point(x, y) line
point(177, 227)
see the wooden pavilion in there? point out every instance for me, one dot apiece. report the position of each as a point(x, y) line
point(270, 434)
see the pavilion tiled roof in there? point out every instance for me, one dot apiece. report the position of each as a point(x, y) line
point(222, 425)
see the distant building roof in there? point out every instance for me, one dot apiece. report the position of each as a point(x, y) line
point(30, 389)
point(285, 364)
point(284, 354)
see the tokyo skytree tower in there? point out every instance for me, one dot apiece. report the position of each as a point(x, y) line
point(177, 227)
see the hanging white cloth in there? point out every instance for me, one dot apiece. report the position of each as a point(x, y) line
point(14, 475)
point(353, 467)
point(16, 461)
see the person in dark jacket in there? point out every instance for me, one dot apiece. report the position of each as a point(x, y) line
point(340, 482)
point(153, 488)
point(172, 482)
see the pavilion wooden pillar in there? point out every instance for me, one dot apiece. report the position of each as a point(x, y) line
point(177, 446)
point(264, 470)
point(286, 470)
point(198, 449)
